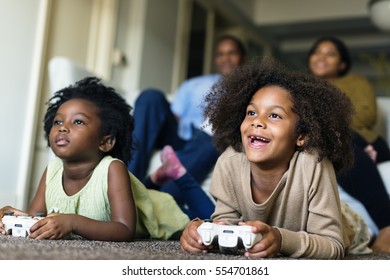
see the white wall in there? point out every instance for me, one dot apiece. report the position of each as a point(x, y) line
point(282, 11)
point(159, 44)
point(129, 42)
point(18, 26)
point(146, 36)
point(68, 36)
point(31, 33)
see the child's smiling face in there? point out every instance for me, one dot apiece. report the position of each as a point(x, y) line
point(75, 134)
point(268, 131)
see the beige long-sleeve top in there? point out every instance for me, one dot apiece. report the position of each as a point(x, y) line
point(363, 98)
point(304, 206)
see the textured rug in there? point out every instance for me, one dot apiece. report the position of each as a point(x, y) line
point(19, 248)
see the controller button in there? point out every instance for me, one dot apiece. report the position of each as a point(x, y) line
point(207, 237)
point(247, 239)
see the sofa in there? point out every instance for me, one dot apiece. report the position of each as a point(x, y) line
point(63, 72)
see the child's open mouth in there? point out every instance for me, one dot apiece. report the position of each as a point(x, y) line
point(257, 141)
point(257, 138)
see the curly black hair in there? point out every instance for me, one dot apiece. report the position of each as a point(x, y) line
point(113, 111)
point(324, 112)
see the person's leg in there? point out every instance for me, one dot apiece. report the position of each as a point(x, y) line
point(199, 155)
point(364, 183)
point(155, 126)
point(359, 140)
point(199, 204)
point(382, 149)
point(187, 192)
point(148, 182)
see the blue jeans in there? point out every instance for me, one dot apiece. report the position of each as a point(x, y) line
point(155, 127)
point(195, 203)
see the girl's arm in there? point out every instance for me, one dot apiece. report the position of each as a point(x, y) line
point(323, 237)
point(38, 204)
point(15, 211)
point(123, 214)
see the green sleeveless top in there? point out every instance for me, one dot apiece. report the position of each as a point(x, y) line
point(158, 215)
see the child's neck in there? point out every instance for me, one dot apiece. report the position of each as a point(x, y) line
point(77, 175)
point(264, 182)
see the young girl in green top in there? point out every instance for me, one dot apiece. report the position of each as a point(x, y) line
point(87, 190)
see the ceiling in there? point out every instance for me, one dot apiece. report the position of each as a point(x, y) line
point(290, 33)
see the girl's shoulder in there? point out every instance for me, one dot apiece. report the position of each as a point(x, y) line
point(232, 161)
point(231, 155)
point(106, 161)
point(310, 162)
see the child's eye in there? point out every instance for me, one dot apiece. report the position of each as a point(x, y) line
point(274, 116)
point(57, 122)
point(78, 122)
point(251, 113)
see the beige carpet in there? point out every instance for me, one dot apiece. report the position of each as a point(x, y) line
point(19, 248)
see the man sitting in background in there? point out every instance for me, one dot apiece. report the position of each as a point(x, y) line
point(158, 123)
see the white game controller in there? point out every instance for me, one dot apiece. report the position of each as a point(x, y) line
point(19, 225)
point(228, 236)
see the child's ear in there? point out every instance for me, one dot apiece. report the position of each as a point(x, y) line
point(107, 143)
point(301, 140)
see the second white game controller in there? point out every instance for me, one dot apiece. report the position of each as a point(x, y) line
point(229, 236)
point(19, 225)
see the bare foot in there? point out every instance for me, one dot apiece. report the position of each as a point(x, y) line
point(382, 241)
point(371, 152)
point(170, 169)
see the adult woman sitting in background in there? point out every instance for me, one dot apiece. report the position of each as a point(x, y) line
point(329, 59)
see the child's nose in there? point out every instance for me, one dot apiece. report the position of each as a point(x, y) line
point(258, 123)
point(63, 128)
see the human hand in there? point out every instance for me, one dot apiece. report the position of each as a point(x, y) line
point(190, 240)
point(6, 209)
point(371, 152)
point(53, 226)
point(270, 244)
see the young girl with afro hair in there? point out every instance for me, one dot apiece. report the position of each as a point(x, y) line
point(86, 190)
point(283, 135)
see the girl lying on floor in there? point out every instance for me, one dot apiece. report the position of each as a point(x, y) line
point(283, 135)
point(87, 190)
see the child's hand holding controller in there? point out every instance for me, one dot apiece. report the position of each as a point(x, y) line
point(270, 244)
point(190, 240)
point(54, 226)
point(6, 209)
